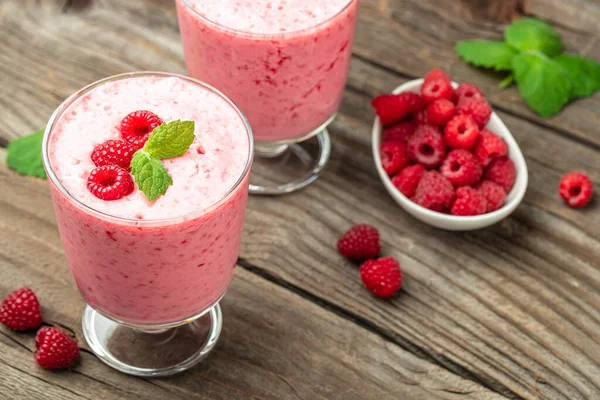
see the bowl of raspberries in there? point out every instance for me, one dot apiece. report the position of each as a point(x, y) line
point(444, 156)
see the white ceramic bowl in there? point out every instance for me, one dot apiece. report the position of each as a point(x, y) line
point(453, 222)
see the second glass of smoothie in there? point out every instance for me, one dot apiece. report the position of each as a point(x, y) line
point(285, 64)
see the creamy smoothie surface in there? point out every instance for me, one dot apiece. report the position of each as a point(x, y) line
point(268, 16)
point(202, 176)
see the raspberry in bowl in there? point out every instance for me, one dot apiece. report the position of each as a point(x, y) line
point(465, 169)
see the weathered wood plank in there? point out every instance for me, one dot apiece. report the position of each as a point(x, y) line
point(276, 344)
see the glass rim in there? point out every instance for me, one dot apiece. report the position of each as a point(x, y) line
point(134, 221)
point(264, 35)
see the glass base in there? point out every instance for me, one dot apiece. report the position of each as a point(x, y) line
point(284, 168)
point(148, 353)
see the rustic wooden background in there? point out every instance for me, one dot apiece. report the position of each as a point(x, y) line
point(510, 312)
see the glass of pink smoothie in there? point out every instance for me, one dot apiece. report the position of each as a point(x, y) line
point(285, 63)
point(152, 273)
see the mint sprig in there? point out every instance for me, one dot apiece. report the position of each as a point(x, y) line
point(24, 155)
point(531, 53)
point(487, 53)
point(168, 140)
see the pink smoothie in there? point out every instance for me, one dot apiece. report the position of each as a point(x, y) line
point(162, 262)
point(284, 62)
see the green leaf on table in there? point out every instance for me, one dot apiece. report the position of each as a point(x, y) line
point(486, 53)
point(24, 155)
point(584, 73)
point(543, 83)
point(171, 139)
point(150, 175)
point(533, 34)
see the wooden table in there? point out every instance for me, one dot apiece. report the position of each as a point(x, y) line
point(510, 312)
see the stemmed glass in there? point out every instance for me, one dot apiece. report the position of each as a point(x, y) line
point(289, 84)
point(141, 317)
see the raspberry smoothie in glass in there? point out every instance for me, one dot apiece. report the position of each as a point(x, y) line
point(150, 265)
point(284, 62)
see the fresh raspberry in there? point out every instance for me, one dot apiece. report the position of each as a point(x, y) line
point(492, 193)
point(392, 108)
point(461, 132)
point(427, 146)
point(382, 277)
point(436, 89)
point(468, 202)
point(440, 111)
point(137, 126)
point(117, 152)
point(435, 74)
point(109, 182)
point(20, 310)
point(408, 179)
point(399, 132)
point(468, 90)
point(576, 189)
point(54, 348)
point(359, 243)
point(461, 168)
point(434, 192)
point(393, 157)
point(502, 171)
point(479, 109)
point(421, 117)
point(489, 146)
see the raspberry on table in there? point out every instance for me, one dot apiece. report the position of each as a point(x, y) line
point(468, 202)
point(440, 111)
point(502, 171)
point(361, 242)
point(393, 157)
point(434, 192)
point(461, 132)
point(478, 109)
point(117, 152)
point(137, 126)
point(399, 132)
point(427, 146)
point(54, 348)
point(391, 108)
point(437, 89)
point(20, 310)
point(407, 180)
point(461, 168)
point(468, 90)
point(382, 277)
point(489, 146)
point(110, 182)
point(493, 193)
point(575, 189)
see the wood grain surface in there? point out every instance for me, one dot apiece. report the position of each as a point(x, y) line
point(509, 312)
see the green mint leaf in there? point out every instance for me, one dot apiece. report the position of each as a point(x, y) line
point(486, 53)
point(150, 175)
point(24, 155)
point(533, 34)
point(170, 140)
point(543, 83)
point(506, 82)
point(584, 73)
